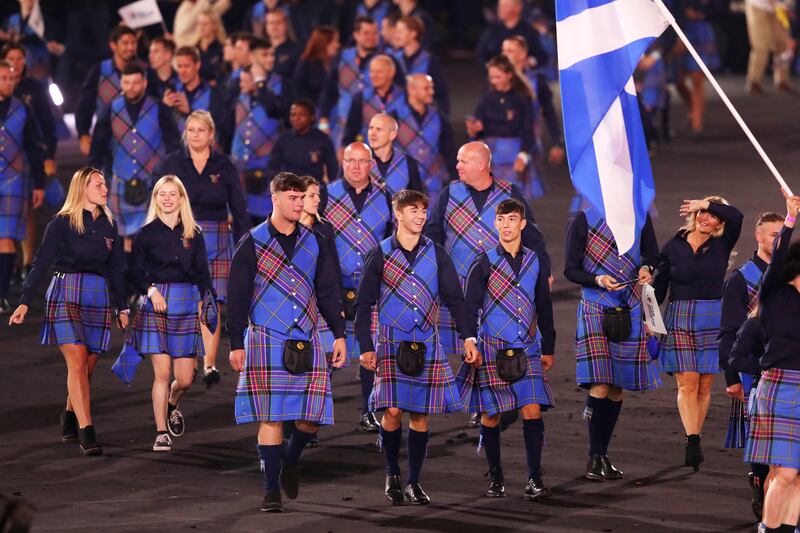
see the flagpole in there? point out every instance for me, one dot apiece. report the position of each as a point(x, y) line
point(665, 11)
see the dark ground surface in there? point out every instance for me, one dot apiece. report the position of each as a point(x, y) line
point(211, 480)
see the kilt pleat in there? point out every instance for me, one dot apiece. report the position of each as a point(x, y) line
point(691, 344)
point(626, 364)
point(219, 250)
point(483, 391)
point(14, 204)
point(176, 332)
point(77, 311)
point(448, 336)
point(267, 392)
point(774, 414)
point(434, 391)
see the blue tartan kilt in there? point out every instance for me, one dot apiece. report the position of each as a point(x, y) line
point(176, 332)
point(129, 218)
point(626, 364)
point(77, 311)
point(484, 391)
point(774, 413)
point(738, 423)
point(219, 250)
point(701, 35)
point(267, 392)
point(434, 391)
point(504, 153)
point(14, 204)
point(448, 336)
point(691, 344)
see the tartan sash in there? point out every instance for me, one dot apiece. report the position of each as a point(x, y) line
point(509, 306)
point(421, 141)
point(137, 146)
point(468, 232)
point(372, 104)
point(256, 132)
point(752, 278)
point(356, 233)
point(12, 134)
point(201, 100)
point(396, 177)
point(419, 65)
point(284, 295)
point(601, 257)
point(108, 85)
point(409, 292)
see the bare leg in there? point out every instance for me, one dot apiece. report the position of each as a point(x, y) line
point(703, 399)
point(79, 397)
point(161, 373)
point(211, 342)
point(687, 401)
point(184, 375)
point(776, 499)
point(91, 363)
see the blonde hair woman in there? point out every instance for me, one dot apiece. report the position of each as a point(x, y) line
point(692, 267)
point(169, 265)
point(213, 187)
point(210, 38)
point(83, 246)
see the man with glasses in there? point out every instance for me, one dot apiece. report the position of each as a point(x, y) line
point(361, 216)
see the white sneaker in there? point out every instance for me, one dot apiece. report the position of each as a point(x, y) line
point(163, 443)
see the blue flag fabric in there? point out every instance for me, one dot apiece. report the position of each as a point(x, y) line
point(600, 43)
point(127, 362)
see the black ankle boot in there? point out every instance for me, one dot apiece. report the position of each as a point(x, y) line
point(594, 468)
point(496, 486)
point(89, 445)
point(69, 426)
point(694, 455)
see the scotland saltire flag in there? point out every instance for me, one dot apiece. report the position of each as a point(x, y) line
point(599, 44)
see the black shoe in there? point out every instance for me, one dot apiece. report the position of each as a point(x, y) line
point(594, 468)
point(211, 376)
point(609, 470)
point(474, 420)
point(535, 490)
point(368, 423)
point(88, 441)
point(757, 503)
point(5, 307)
point(272, 502)
point(289, 482)
point(394, 490)
point(694, 455)
point(175, 423)
point(313, 443)
point(496, 488)
point(69, 426)
point(414, 494)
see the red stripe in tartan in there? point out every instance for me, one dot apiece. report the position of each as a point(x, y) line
point(341, 213)
point(348, 75)
point(123, 127)
point(398, 278)
point(502, 293)
point(107, 88)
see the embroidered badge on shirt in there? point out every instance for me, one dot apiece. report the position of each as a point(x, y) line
point(214, 178)
point(509, 115)
point(315, 156)
point(109, 243)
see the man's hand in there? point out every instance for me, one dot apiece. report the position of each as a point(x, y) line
point(369, 360)
point(122, 320)
point(547, 362)
point(85, 143)
point(339, 353)
point(236, 359)
point(645, 276)
point(50, 167)
point(736, 392)
point(555, 156)
point(472, 356)
point(37, 198)
point(182, 103)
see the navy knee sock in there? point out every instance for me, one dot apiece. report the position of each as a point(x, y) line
point(533, 430)
point(297, 442)
point(6, 269)
point(612, 415)
point(417, 449)
point(391, 450)
point(271, 456)
point(490, 439)
point(367, 379)
point(595, 415)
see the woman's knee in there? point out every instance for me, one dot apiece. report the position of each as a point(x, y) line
point(531, 411)
point(599, 390)
point(688, 382)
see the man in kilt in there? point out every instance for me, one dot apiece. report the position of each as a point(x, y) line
point(361, 216)
point(406, 277)
point(607, 366)
point(20, 143)
point(463, 222)
point(394, 169)
point(135, 131)
point(281, 274)
point(739, 300)
point(508, 297)
point(383, 95)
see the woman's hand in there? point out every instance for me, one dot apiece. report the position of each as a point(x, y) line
point(19, 315)
point(693, 206)
point(159, 304)
point(792, 207)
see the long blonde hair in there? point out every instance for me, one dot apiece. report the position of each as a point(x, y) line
point(190, 227)
point(215, 18)
point(691, 220)
point(76, 195)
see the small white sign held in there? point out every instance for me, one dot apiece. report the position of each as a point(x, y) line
point(652, 313)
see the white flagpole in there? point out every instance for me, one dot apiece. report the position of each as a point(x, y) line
point(665, 11)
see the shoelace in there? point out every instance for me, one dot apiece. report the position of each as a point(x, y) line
point(174, 417)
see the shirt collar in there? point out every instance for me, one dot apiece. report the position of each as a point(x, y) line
point(502, 251)
point(273, 231)
point(348, 187)
point(760, 263)
point(396, 244)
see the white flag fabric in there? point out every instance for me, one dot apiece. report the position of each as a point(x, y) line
point(600, 43)
point(140, 14)
point(652, 313)
point(36, 20)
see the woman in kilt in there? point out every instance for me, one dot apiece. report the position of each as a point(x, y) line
point(609, 362)
point(82, 244)
point(510, 290)
point(774, 436)
point(406, 277)
point(216, 197)
point(692, 266)
point(169, 266)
